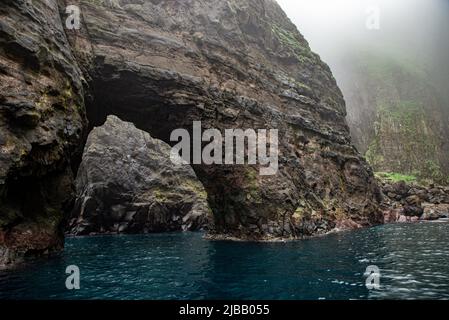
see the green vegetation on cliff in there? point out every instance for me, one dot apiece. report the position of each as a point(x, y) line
point(396, 116)
point(395, 177)
point(293, 42)
point(403, 141)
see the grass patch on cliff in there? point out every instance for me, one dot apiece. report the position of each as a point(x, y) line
point(396, 177)
point(407, 114)
point(288, 38)
point(292, 41)
point(405, 137)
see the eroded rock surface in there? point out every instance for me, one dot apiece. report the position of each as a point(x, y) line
point(233, 64)
point(162, 65)
point(42, 123)
point(127, 184)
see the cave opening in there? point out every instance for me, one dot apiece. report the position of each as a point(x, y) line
point(161, 103)
point(153, 111)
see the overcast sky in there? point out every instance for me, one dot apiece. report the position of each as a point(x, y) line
point(328, 23)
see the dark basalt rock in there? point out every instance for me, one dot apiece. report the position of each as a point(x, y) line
point(42, 124)
point(127, 184)
point(233, 64)
point(161, 65)
point(435, 211)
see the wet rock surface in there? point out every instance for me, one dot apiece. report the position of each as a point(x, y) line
point(127, 184)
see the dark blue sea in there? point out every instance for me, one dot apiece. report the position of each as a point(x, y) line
point(413, 260)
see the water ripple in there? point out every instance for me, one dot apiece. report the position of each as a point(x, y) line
point(412, 258)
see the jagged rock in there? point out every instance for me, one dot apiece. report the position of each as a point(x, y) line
point(42, 124)
point(161, 65)
point(435, 212)
point(414, 201)
point(232, 64)
point(127, 184)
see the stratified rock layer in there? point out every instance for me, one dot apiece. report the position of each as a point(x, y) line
point(127, 184)
point(161, 65)
point(233, 64)
point(42, 122)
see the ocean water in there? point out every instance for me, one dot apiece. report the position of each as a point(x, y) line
point(413, 260)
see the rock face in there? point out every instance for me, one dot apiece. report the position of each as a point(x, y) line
point(235, 64)
point(127, 184)
point(42, 123)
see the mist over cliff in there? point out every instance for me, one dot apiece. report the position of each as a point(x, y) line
point(415, 28)
point(391, 60)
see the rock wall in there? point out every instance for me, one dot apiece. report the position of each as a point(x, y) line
point(161, 65)
point(233, 64)
point(42, 123)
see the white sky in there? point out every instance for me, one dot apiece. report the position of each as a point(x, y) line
point(332, 25)
point(332, 20)
point(417, 29)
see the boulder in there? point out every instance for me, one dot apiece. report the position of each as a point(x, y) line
point(435, 211)
point(392, 215)
point(414, 200)
point(401, 188)
point(413, 211)
point(127, 183)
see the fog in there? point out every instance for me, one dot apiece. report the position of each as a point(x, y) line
point(416, 29)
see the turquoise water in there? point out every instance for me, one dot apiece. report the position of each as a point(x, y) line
point(413, 259)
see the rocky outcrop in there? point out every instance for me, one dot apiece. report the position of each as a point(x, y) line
point(162, 65)
point(411, 202)
point(42, 123)
point(233, 64)
point(127, 184)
